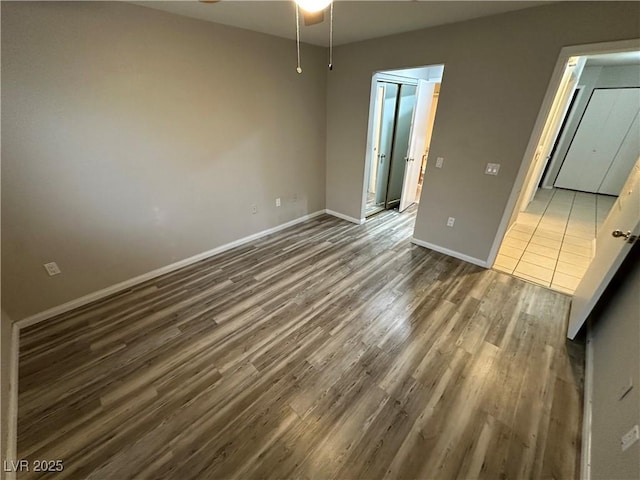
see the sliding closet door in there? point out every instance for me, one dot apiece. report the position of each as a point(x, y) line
point(604, 125)
point(387, 125)
point(624, 161)
point(401, 142)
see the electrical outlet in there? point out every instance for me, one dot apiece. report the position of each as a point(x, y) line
point(631, 437)
point(278, 202)
point(295, 197)
point(451, 221)
point(254, 208)
point(492, 169)
point(439, 162)
point(52, 268)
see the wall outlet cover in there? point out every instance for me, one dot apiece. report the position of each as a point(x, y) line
point(630, 437)
point(451, 221)
point(439, 162)
point(278, 203)
point(492, 169)
point(52, 268)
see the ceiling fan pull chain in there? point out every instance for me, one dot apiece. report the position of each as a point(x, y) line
point(299, 68)
point(331, 39)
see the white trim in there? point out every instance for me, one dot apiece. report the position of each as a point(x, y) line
point(12, 430)
point(585, 455)
point(105, 292)
point(527, 160)
point(451, 253)
point(345, 217)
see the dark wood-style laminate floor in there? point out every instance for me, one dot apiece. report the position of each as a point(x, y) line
point(327, 350)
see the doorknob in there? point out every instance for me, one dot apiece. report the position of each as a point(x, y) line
point(627, 236)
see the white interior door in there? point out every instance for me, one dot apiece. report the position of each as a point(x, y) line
point(603, 127)
point(610, 250)
point(417, 143)
point(551, 130)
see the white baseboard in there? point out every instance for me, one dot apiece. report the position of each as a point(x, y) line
point(12, 434)
point(451, 253)
point(585, 453)
point(105, 292)
point(345, 217)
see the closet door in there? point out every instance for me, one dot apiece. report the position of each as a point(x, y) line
point(624, 161)
point(387, 125)
point(400, 148)
point(603, 127)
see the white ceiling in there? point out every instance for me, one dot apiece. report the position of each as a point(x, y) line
point(613, 59)
point(353, 20)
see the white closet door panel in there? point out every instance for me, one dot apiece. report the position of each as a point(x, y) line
point(603, 127)
point(624, 160)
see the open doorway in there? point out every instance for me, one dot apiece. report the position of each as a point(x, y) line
point(402, 113)
point(588, 146)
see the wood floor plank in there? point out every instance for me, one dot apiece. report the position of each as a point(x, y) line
point(324, 351)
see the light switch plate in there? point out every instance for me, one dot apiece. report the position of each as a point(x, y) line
point(439, 162)
point(451, 221)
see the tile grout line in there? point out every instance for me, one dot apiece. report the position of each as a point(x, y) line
point(553, 194)
point(564, 234)
point(566, 225)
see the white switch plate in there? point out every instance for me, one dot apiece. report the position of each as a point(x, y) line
point(439, 162)
point(492, 169)
point(630, 437)
point(278, 202)
point(254, 209)
point(52, 268)
point(451, 221)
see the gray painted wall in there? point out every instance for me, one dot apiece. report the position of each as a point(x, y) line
point(133, 138)
point(497, 70)
point(616, 359)
point(591, 78)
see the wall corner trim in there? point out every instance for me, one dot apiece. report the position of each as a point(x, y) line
point(105, 292)
point(345, 217)
point(451, 253)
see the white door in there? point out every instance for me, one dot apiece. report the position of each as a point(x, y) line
point(417, 143)
point(557, 114)
point(613, 244)
point(603, 127)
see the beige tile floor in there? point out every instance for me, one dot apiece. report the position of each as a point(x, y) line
point(553, 241)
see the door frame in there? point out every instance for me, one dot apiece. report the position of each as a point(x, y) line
point(525, 172)
point(368, 163)
point(547, 182)
point(381, 75)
